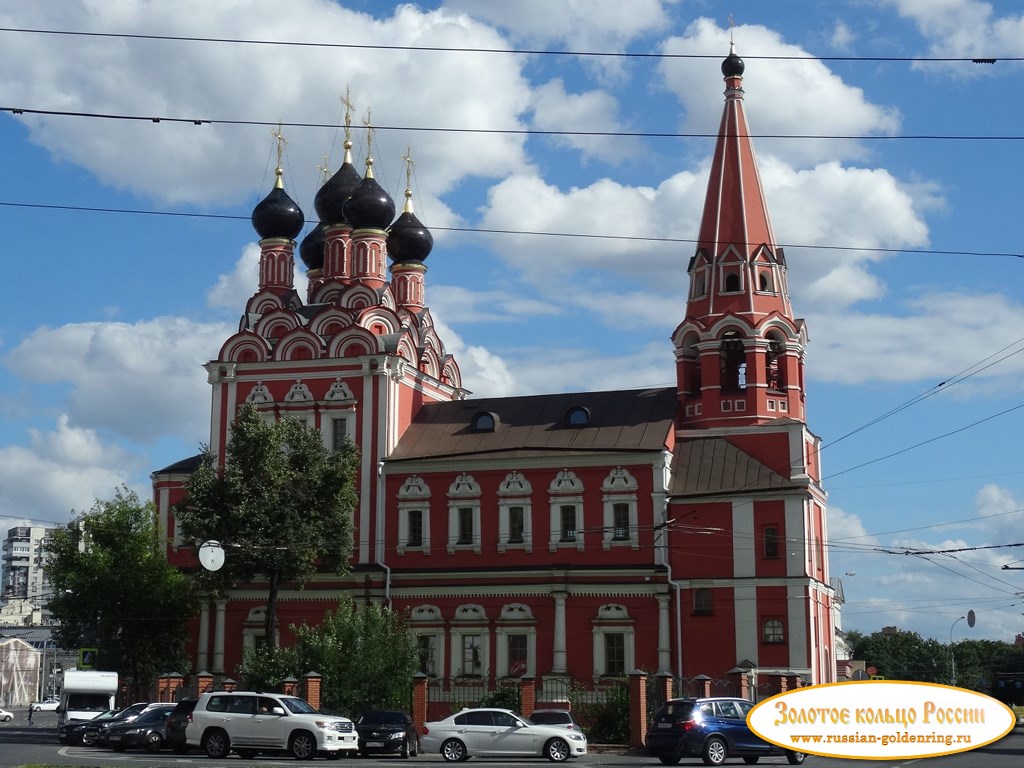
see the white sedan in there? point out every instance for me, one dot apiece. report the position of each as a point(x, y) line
point(46, 705)
point(5, 716)
point(499, 733)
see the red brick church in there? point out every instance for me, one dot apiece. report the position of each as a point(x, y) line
point(571, 535)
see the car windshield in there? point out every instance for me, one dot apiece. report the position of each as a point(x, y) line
point(153, 716)
point(382, 718)
point(674, 710)
point(89, 702)
point(298, 706)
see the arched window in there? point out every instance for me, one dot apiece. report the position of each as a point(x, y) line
point(771, 631)
point(732, 283)
point(484, 422)
point(577, 416)
point(702, 604)
point(771, 542)
point(775, 372)
point(733, 363)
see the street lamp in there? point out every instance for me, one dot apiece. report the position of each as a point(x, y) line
point(952, 656)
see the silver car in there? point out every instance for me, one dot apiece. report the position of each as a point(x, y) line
point(499, 733)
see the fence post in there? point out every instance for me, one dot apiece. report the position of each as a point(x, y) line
point(527, 695)
point(665, 686)
point(740, 677)
point(703, 685)
point(312, 684)
point(290, 686)
point(637, 708)
point(204, 682)
point(419, 701)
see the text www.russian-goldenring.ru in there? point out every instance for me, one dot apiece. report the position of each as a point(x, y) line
point(885, 739)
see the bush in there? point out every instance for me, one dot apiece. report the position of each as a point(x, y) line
point(606, 720)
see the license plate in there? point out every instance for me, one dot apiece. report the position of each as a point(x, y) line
point(664, 725)
point(375, 743)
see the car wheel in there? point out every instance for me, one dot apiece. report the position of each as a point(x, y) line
point(751, 759)
point(454, 751)
point(669, 759)
point(302, 745)
point(557, 750)
point(796, 758)
point(715, 751)
point(154, 741)
point(404, 751)
point(8, 719)
point(414, 748)
point(216, 744)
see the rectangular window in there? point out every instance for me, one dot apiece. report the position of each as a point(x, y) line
point(771, 543)
point(517, 660)
point(472, 655)
point(465, 525)
point(614, 653)
point(516, 525)
point(620, 521)
point(415, 535)
point(568, 512)
point(428, 654)
point(339, 433)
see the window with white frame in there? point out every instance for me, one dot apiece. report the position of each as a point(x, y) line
point(566, 494)
point(614, 643)
point(464, 514)
point(515, 635)
point(619, 491)
point(414, 516)
point(470, 640)
point(515, 527)
point(340, 436)
point(427, 626)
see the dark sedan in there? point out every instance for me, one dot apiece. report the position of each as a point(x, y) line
point(148, 731)
point(75, 731)
point(95, 732)
point(386, 732)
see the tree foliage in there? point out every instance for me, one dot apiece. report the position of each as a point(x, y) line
point(282, 505)
point(907, 656)
point(365, 654)
point(113, 589)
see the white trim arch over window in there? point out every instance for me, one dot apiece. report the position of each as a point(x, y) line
point(516, 625)
point(613, 627)
point(515, 513)
point(413, 497)
point(464, 514)
point(566, 494)
point(621, 527)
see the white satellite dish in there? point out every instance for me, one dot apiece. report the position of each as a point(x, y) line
point(211, 555)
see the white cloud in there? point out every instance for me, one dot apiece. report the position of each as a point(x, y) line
point(965, 29)
point(139, 381)
point(591, 112)
point(210, 164)
point(234, 289)
point(816, 100)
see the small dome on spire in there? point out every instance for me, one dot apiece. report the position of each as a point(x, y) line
point(733, 65)
point(408, 239)
point(330, 199)
point(369, 206)
point(277, 215)
point(311, 250)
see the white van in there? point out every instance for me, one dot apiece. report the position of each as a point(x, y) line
point(84, 694)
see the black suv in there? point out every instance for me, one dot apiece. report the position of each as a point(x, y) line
point(712, 729)
point(385, 732)
point(178, 722)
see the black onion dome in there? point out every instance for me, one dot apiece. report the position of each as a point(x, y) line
point(311, 250)
point(369, 206)
point(408, 239)
point(330, 199)
point(277, 215)
point(733, 65)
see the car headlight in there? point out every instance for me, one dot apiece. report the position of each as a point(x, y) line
point(133, 732)
point(575, 737)
point(398, 735)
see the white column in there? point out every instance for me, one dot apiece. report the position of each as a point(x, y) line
point(218, 637)
point(203, 658)
point(558, 662)
point(664, 644)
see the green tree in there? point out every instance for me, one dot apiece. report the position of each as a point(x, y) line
point(904, 655)
point(112, 587)
point(282, 505)
point(365, 653)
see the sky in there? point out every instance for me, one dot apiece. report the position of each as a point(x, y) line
point(564, 211)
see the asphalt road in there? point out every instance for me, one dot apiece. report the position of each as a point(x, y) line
point(22, 744)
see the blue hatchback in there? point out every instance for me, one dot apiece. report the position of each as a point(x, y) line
point(712, 729)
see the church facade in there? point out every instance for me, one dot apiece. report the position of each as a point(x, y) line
point(576, 535)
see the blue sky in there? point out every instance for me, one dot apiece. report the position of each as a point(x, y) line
point(903, 238)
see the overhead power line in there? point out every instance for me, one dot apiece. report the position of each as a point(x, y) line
point(516, 232)
point(505, 51)
point(199, 121)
